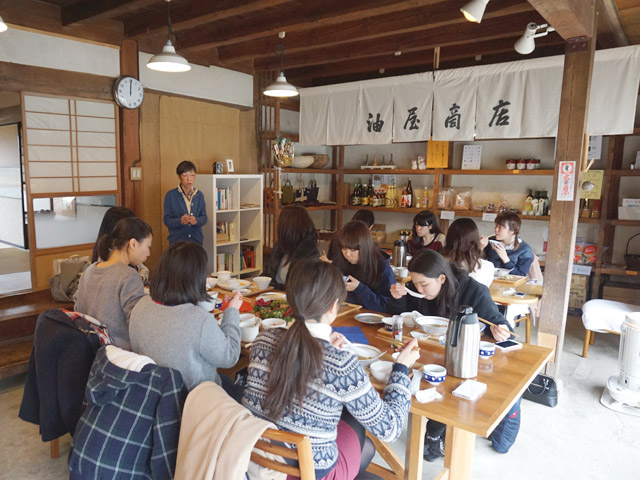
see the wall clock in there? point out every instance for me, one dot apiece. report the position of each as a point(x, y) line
point(128, 92)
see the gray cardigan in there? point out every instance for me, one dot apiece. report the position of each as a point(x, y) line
point(109, 294)
point(186, 337)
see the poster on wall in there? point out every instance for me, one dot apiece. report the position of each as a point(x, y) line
point(566, 181)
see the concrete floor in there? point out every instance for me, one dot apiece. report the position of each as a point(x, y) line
point(578, 439)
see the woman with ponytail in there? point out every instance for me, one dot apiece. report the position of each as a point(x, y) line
point(301, 380)
point(108, 290)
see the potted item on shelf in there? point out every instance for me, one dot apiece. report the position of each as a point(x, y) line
point(283, 151)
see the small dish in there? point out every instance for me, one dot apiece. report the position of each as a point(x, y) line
point(487, 349)
point(369, 318)
point(381, 370)
point(233, 284)
point(273, 323)
point(419, 335)
point(434, 374)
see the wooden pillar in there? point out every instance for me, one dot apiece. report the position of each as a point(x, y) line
point(574, 105)
point(130, 136)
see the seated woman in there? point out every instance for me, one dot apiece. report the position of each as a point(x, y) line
point(425, 233)
point(109, 222)
point(171, 328)
point(109, 290)
point(302, 381)
point(464, 248)
point(297, 240)
point(368, 269)
point(445, 287)
point(506, 249)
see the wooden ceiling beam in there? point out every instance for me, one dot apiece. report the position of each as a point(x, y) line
point(405, 21)
point(495, 28)
point(570, 18)
point(304, 16)
point(197, 14)
point(610, 30)
point(92, 10)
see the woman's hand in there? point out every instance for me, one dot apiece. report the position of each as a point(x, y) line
point(337, 339)
point(236, 301)
point(398, 290)
point(409, 354)
point(352, 284)
point(501, 251)
point(484, 241)
point(500, 332)
point(184, 219)
point(324, 257)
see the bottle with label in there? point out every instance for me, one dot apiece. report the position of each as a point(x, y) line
point(410, 194)
point(538, 204)
point(528, 205)
point(595, 209)
point(355, 198)
point(370, 191)
point(364, 199)
point(544, 200)
point(404, 199)
point(397, 330)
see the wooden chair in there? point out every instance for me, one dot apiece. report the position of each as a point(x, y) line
point(301, 453)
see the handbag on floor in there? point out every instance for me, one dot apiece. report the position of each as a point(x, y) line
point(543, 390)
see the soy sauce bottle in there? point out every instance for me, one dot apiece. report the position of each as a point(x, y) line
point(397, 330)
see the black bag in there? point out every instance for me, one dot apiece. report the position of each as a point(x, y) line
point(543, 390)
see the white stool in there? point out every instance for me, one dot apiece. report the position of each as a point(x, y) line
point(603, 316)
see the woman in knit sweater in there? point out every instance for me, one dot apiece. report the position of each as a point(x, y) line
point(302, 381)
point(171, 328)
point(109, 290)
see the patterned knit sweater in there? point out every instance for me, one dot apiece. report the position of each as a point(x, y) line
point(343, 383)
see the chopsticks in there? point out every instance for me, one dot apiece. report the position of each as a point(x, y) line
point(487, 322)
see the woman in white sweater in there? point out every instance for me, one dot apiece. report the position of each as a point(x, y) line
point(464, 247)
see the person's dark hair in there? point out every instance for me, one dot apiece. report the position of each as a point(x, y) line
point(185, 166)
point(512, 222)
point(109, 221)
point(181, 275)
point(295, 227)
point(431, 264)
point(463, 244)
point(426, 218)
point(355, 235)
point(126, 229)
point(313, 287)
point(365, 216)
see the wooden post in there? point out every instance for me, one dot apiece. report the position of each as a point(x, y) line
point(574, 106)
point(129, 128)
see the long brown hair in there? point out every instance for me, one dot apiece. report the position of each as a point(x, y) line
point(463, 244)
point(312, 288)
point(356, 236)
point(513, 223)
point(294, 227)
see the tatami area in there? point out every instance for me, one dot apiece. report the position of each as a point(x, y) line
point(578, 439)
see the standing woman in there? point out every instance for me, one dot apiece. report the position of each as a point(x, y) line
point(297, 240)
point(370, 275)
point(509, 251)
point(303, 382)
point(464, 248)
point(171, 328)
point(425, 233)
point(185, 210)
point(445, 287)
point(109, 290)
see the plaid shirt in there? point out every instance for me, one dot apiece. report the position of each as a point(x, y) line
point(130, 426)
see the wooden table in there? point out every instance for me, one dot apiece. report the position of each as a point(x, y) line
point(529, 299)
point(507, 375)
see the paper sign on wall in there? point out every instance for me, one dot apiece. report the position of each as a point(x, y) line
point(595, 177)
point(595, 147)
point(566, 181)
point(489, 217)
point(437, 154)
point(447, 215)
point(471, 157)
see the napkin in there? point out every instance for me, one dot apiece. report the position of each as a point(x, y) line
point(428, 395)
point(353, 334)
point(415, 382)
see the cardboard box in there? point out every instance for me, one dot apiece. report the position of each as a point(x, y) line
point(578, 290)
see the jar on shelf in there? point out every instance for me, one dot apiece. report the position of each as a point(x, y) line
point(522, 164)
point(510, 164)
point(531, 164)
point(491, 208)
point(595, 209)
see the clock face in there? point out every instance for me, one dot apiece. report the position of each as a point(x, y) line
point(128, 92)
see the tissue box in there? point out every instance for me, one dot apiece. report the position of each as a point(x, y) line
point(629, 213)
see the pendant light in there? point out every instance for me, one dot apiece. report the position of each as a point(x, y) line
point(526, 43)
point(280, 88)
point(474, 10)
point(168, 60)
point(3, 26)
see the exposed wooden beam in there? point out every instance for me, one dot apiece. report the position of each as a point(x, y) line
point(404, 21)
point(306, 15)
point(92, 10)
point(570, 18)
point(610, 30)
point(491, 29)
point(198, 13)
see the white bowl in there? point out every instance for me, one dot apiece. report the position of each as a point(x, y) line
point(262, 282)
point(388, 323)
point(249, 329)
point(487, 349)
point(211, 282)
point(273, 323)
point(223, 275)
point(434, 374)
point(302, 161)
point(381, 370)
point(409, 319)
point(366, 354)
point(433, 325)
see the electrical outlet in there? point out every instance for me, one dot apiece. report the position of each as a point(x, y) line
point(136, 173)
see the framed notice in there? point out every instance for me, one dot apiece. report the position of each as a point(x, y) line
point(437, 154)
point(566, 181)
point(471, 157)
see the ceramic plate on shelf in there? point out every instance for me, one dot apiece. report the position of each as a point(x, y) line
point(234, 284)
point(369, 318)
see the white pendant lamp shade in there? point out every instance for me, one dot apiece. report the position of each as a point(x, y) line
point(474, 10)
point(168, 60)
point(526, 44)
point(281, 88)
point(3, 26)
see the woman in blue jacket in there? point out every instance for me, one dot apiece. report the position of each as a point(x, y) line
point(507, 250)
point(185, 210)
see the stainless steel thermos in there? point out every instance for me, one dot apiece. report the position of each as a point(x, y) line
point(463, 344)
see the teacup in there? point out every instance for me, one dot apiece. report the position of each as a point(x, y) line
point(487, 349)
point(388, 323)
point(402, 272)
point(224, 275)
point(211, 282)
point(434, 374)
point(249, 327)
point(262, 282)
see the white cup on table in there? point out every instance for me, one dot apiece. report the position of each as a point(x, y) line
point(224, 275)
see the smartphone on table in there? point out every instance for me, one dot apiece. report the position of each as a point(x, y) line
point(508, 345)
point(519, 294)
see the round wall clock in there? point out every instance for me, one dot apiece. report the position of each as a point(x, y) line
point(128, 92)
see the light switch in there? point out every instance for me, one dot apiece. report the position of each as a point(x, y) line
point(136, 173)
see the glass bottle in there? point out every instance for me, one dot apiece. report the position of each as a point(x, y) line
point(364, 199)
point(545, 203)
point(397, 330)
point(410, 195)
point(355, 199)
point(370, 191)
point(528, 205)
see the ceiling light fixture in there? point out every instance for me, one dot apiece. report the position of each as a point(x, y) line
point(3, 26)
point(280, 88)
point(474, 10)
point(526, 43)
point(168, 60)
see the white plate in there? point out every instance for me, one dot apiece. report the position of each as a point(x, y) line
point(227, 285)
point(369, 318)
